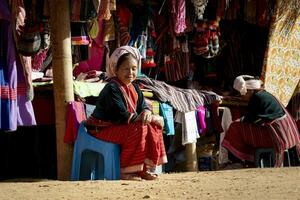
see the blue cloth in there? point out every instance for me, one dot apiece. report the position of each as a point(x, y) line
point(166, 111)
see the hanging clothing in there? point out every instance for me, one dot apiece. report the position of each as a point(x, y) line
point(190, 132)
point(281, 71)
point(178, 11)
point(113, 120)
point(226, 121)
point(96, 54)
point(16, 109)
point(182, 100)
point(18, 13)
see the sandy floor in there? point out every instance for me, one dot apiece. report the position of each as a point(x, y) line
point(283, 183)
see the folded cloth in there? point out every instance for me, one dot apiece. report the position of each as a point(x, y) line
point(85, 89)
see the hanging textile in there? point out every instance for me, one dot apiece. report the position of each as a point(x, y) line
point(16, 109)
point(281, 70)
point(178, 11)
point(182, 100)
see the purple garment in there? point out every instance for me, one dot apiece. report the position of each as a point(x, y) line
point(16, 110)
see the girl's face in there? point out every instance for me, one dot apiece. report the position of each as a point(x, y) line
point(127, 71)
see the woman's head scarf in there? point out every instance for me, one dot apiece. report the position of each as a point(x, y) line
point(242, 86)
point(113, 60)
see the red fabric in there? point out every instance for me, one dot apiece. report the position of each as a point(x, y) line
point(242, 139)
point(75, 114)
point(285, 136)
point(43, 106)
point(125, 15)
point(130, 92)
point(138, 142)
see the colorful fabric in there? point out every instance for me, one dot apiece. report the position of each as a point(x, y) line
point(182, 100)
point(16, 109)
point(104, 10)
point(281, 71)
point(178, 11)
point(124, 18)
point(285, 135)
point(75, 114)
point(96, 54)
point(109, 30)
point(38, 60)
point(80, 40)
point(242, 138)
point(140, 144)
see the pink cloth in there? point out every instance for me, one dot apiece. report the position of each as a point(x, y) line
point(201, 119)
point(38, 59)
point(178, 10)
point(75, 114)
point(95, 60)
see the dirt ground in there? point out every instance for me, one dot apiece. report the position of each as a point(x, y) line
point(271, 183)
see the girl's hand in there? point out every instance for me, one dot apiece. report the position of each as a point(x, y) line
point(158, 120)
point(146, 117)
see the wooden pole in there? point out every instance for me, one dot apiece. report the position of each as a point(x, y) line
point(191, 157)
point(62, 80)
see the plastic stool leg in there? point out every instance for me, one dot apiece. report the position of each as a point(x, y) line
point(287, 157)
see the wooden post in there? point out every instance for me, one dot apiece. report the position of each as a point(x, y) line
point(62, 80)
point(191, 157)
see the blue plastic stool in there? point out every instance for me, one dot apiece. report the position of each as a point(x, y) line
point(94, 159)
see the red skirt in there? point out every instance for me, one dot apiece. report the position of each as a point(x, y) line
point(242, 139)
point(140, 144)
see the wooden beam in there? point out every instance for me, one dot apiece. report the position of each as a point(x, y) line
point(191, 157)
point(62, 80)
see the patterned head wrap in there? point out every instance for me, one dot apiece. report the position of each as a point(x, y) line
point(242, 86)
point(113, 60)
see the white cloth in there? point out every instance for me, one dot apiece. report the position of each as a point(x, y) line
point(113, 60)
point(190, 132)
point(226, 121)
point(242, 86)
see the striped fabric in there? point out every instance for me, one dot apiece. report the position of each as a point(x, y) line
point(183, 100)
point(80, 40)
point(285, 135)
point(16, 108)
point(140, 144)
point(242, 139)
